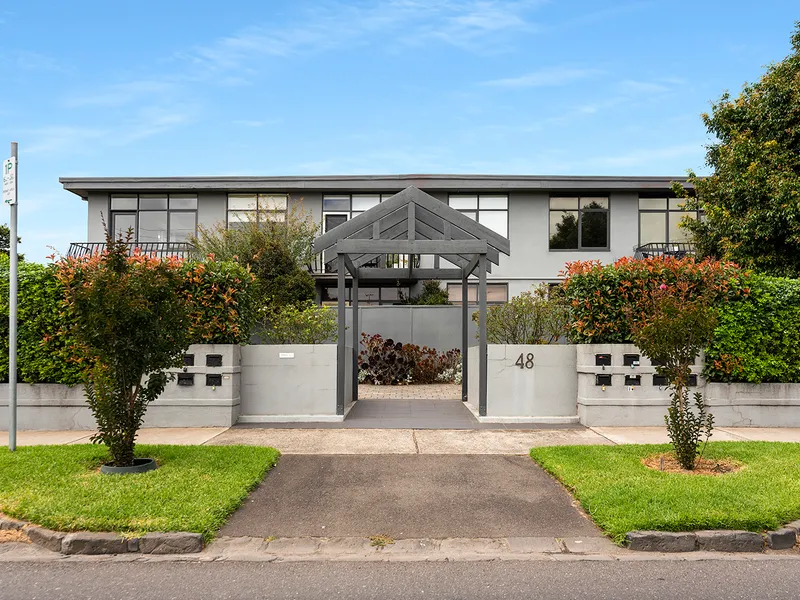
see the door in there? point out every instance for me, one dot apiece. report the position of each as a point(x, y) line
point(331, 220)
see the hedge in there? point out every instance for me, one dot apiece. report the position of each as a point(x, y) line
point(600, 295)
point(757, 339)
point(222, 313)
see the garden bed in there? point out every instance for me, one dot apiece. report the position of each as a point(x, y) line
point(621, 494)
point(194, 489)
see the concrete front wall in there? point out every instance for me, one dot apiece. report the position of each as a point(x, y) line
point(754, 404)
point(433, 326)
point(546, 390)
point(620, 405)
point(303, 385)
point(46, 406)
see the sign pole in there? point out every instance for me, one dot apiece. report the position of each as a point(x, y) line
point(10, 196)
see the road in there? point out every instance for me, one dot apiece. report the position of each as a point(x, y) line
point(637, 580)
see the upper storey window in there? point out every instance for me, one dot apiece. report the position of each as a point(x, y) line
point(154, 217)
point(490, 210)
point(579, 223)
point(659, 219)
point(261, 208)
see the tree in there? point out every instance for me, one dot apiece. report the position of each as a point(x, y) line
point(277, 253)
point(5, 240)
point(751, 201)
point(671, 325)
point(130, 323)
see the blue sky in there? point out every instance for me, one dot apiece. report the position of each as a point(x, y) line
point(178, 87)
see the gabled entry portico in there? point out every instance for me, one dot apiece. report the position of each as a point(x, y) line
point(411, 222)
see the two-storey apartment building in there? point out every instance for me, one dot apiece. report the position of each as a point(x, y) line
point(548, 220)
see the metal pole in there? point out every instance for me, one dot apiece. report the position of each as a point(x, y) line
point(356, 336)
point(464, 337)
point(483, 362)
point(340, 345)
point(12, 315)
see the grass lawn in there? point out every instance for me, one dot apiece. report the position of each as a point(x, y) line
point(194, 489)
point(622, 495)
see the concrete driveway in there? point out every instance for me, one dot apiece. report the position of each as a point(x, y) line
point(409, 496)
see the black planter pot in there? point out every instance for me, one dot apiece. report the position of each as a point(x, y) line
point(140, 465)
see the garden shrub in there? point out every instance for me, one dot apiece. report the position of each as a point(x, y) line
point(222, 306)
point(306, 324)
point(42, 355)
point(538, 317)
point(386, 362)
point(601, 296)
point(221, 311)
point(432, 295)
point(757, 338)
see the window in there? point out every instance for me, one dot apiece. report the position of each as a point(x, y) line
point(659, 219)
point(338, 208)
point(367, 296)
point(154, 217)
point(579, 223)
point(245, 208)
point(490, 210)
point(496, 293)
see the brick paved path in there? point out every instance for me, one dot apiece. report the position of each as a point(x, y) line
point(434, 391)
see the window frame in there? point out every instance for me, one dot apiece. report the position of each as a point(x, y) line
point(258, 211)
point(474, 285)
point(477, 210)
point(580, 211)
point(666, 211)
point(138, 210)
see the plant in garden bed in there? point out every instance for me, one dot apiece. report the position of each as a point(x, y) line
point(386, 362)
point(541, 316)
point(671, 325)
point(304, 324)
point(130, 324)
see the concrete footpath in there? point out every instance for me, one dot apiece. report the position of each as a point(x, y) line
point(406, 441)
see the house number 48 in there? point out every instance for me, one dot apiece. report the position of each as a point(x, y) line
point(525, 362)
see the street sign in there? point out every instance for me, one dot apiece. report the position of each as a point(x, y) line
point(10, 180)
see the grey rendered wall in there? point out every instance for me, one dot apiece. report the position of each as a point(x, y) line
point(97, 207)
point(302, 385)
point(754, 405)
point(59, 407)
point(545, 392)
point(433, 326)
point(620, 405)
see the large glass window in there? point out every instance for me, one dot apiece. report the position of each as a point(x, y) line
point(490, 210)
point(262, 208)
point(659, 220)
point(579, 223)
point(496, 293)
point(347, 206)
point(367, 296)
point(154, 217)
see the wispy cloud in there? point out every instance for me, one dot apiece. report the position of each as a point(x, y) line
point(335, 24)
point(255, 124)
point(546, 77)
point(121, 94)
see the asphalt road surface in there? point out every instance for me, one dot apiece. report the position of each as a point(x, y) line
point(640, 580)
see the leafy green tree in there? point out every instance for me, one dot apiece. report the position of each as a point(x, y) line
point(277, 253)
point(751, 200)
point(5, 240)
point(130, 324)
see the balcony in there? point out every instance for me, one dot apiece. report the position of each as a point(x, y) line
point(157, 249)
point(320, 266)
point(673, 249)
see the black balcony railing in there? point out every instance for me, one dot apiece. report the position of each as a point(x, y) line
point(386, 261)
point(676, 250)
point(158, 249)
